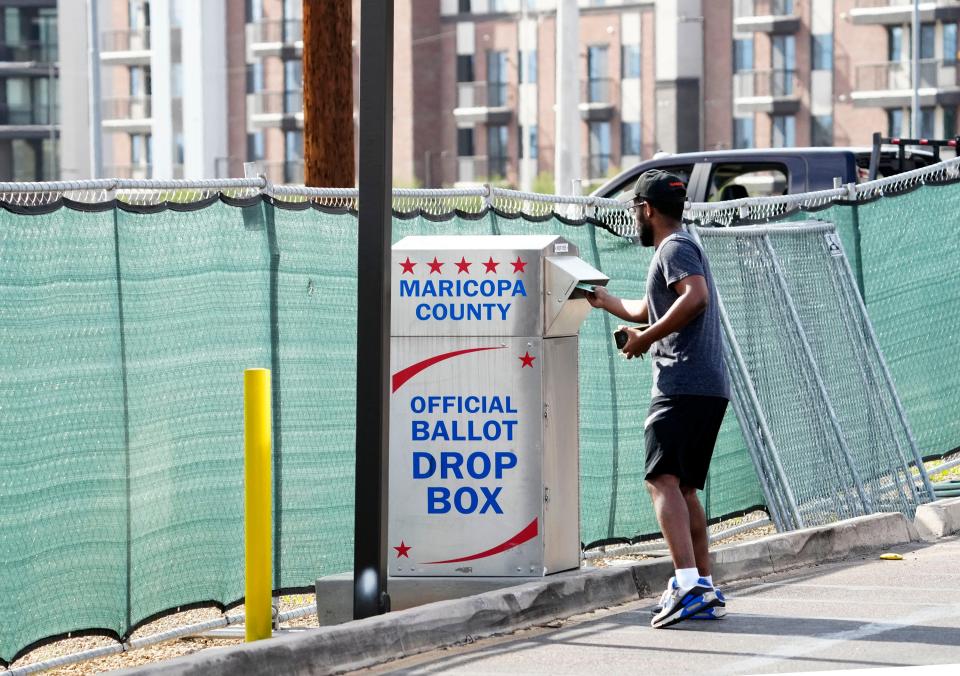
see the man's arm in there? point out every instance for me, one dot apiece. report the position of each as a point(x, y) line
point(626, 309)
point(693, 297)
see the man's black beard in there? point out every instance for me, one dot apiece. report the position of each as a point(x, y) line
point(646, 233)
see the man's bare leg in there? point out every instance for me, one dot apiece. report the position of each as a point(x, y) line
point(698, 530)
point(674, 518)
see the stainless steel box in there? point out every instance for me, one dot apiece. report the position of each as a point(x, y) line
point(484, 451)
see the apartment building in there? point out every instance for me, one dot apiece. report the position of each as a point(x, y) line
point(29, 101)
point(191, 89)
point(673, 75)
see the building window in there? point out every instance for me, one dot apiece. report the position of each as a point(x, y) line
point(255, 146)
point(894, 43)
point(292, 9)
point(782, 7)
point(894, 122)
point(630, 62)
point(465, 68)
point(532, 132)
point(497, 150)
point(293, 145)
point(742, 55)
point(139, 81)
point(949, 122)
point(822, 130)
point(743, 132)
point(927, 40)
point(822, 52)
point(950, 42)
point(784, 131)
point(528, 66)
point(597, 74)
point(496, 78)
point(630, 138)
point(293, 75)
point(465, 142)
point(141, 149)
point(463, 6)
point(11, 26)
point(784, 62)
point(255, 77)
point(599, 159)
point(927, 122)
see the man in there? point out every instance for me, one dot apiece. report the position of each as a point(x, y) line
point(690, 388)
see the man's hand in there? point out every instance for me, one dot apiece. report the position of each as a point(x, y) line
point(599, 297)
point(638, 342)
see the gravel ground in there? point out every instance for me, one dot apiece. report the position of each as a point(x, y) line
point(157, 652)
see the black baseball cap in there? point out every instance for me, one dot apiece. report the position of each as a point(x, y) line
point(661, 189)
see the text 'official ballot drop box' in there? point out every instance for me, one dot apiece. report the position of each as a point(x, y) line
point(484, 449)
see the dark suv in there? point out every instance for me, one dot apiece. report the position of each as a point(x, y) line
point(733, 174)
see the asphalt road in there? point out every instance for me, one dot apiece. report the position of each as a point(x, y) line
point(857, 614)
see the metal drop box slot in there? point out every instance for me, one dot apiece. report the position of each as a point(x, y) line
point(484, 449)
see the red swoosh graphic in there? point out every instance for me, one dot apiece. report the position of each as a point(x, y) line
point(526, 534)
point(400, 377)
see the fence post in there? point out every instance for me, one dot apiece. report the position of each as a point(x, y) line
point(257, 505)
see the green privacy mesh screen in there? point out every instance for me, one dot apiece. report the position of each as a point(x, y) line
point(125, 333)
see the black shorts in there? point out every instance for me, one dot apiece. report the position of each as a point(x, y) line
point(680, 433)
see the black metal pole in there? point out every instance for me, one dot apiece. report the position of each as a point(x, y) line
point(373, 309)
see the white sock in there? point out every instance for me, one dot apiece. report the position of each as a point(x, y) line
point(708, 578)
point(687, 577)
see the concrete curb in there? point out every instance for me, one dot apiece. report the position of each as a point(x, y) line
point(938, 519)
point(363, 643)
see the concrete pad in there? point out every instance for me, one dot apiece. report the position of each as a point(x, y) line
point(335, 592)
point(938, 519)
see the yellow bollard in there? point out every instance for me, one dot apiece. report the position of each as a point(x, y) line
point(257, 508)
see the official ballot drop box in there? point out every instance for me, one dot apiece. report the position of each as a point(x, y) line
point(484, 448)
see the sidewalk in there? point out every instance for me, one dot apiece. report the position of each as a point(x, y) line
point(850, 615)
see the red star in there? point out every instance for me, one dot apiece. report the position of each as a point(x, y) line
point(519, 265)
point(527, 360)
point(402, 550)
point(490, 265)
point(407, 266)
point(463, 266)
point(435, 266)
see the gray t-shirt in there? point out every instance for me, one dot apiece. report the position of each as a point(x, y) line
point(689, 361)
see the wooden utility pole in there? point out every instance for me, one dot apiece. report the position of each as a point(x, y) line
point(328, 94)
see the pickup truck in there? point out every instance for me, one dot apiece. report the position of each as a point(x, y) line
point(734, 174)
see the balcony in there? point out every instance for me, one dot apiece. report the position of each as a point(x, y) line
point(888, 84)
point(898, 12)
point(769, 16)
point(28, 52)
point(766, 91)
point(128, 171)
point(283, 38)
point(596, 99)
point(131, 114)
point(27, 115)
point(488, 102)
point(275, 109)
point(125, 47)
